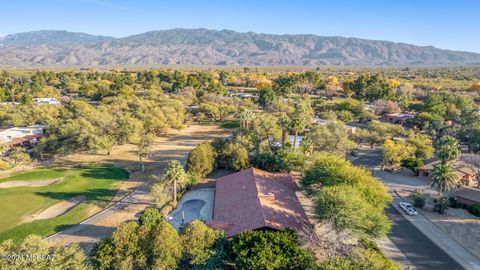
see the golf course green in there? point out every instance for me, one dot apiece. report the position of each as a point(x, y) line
point(95, 184)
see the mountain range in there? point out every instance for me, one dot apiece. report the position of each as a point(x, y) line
point(203, 47)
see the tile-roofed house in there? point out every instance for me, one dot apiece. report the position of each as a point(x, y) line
point(463, 170)
point(398, 118)
point(468, 196)
point(254, 199)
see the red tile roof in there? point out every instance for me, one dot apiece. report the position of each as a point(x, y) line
point(254, 199)
point(18, 141)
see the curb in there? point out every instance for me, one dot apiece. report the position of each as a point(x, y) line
point(446, 234)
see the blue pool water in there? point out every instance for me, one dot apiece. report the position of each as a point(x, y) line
point(191, 211)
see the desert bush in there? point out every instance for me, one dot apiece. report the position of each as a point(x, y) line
point(440, 204)
point(418, 198)
point(475, 210)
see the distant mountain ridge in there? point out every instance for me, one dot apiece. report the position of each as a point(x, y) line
point(203, 47)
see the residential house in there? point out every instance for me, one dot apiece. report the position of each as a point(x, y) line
point(398, 118)
point(320, 121)
point(254, 199)
point(464, 171)
point(50, 101)
point(468, 196)
point(21, 136)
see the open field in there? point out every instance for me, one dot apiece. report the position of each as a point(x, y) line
point(95, 183)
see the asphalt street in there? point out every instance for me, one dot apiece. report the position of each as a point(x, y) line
point(418, 248)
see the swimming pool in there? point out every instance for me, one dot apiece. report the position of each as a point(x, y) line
point(195, 204)
point(190, 211)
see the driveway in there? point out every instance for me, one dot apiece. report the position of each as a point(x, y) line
point(175, 146)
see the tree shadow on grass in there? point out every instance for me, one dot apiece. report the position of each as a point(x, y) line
point(104, 172)
point(100, 194)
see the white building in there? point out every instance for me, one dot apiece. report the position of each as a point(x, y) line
point(51, 101)
point(7, 135)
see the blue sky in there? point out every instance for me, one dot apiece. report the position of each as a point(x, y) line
point(453, 24)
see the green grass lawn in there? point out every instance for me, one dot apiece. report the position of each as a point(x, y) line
point(230, 124)
point(97, 183)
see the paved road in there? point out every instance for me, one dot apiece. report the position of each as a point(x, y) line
point(415, 245)
point(419, 249)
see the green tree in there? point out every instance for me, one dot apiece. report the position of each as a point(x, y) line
point(201, 159)
point(301, 117)
point(347, 208)
point(144, 146)
point(166, 247)
point(331, 170)
point(370, 87)
point(285, 123)
point(54, 257)
point(103, 254)
point(395, 152)
point(331, 138)
point(423, 145)
point(264, 250)
point(199, 243)
point(237, 156)
point(19, 156)
point(126, 243)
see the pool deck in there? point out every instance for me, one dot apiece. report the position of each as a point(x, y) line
point(206, 212)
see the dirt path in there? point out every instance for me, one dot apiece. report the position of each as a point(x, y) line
point(175, 146)
point(28, 183)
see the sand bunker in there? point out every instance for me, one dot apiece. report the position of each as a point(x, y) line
point(56, 209)
point(28, 183)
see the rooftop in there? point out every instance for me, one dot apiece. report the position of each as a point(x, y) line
point(254, 199)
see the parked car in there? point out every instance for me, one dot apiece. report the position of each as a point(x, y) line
point(355, 153)
point(408, 208)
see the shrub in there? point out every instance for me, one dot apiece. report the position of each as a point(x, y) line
point(413, 164)
point(418, 198)
point(360, 259)
point(5, 165)
point(475, 210)
point(440, 204)
point(452, 202)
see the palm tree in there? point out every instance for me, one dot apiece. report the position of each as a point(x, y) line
point(285, 123)
point(246, 116)
point(175, 173)
point(447, 149)
point(444, 177)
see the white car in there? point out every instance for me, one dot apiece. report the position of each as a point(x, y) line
point(408, 208)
